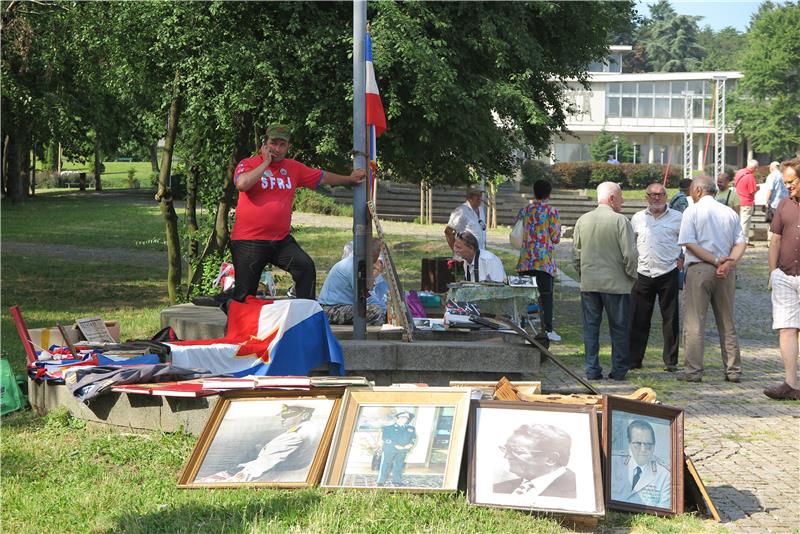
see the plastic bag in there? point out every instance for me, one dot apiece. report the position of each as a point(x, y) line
point(515, 237)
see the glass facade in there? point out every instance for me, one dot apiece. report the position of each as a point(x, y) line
point(657, 100)
point(612, 63)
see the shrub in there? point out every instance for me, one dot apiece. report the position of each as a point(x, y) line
point(606, 172)
point(573, 175)
point(132, 178)
point(641, 175)
point(311, 201)
point(603, 147)
point(533, 171)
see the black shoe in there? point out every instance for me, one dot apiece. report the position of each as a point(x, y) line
point(683, 377)
point(671, 368)
point(618, 379)
point(635, 366)
point(595, 377)
point(733, 378)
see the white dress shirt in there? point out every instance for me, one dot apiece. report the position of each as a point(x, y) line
point(464, 218)
point(490, 268)
point(657, 241)
point(711, 225)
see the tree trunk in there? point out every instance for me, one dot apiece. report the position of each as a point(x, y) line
point(98, 162)
point(192, 183)
point(154, 157)
point(164, 198)
point(4, 164)
point(14, 166)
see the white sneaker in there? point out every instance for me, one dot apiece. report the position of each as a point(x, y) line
point(552, 336)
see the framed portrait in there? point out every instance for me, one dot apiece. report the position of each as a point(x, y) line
point(264, 438)
point(535, 456)
point(643, 453)
point(401, 439)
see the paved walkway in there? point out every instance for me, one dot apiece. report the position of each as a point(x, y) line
point(746, 447)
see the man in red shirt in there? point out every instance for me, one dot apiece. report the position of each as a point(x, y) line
point(267, 184)
point(745, 184)
point(784, 266)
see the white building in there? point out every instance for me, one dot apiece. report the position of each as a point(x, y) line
point(648, 110)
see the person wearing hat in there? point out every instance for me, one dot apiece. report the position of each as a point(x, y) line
point(398, 439)
point(469, 216)
point(286, 457)
point(267, 184)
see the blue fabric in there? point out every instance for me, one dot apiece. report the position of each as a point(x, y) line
point(617, 309)
point(379, 293)
point(778, 188)
point(305, 346)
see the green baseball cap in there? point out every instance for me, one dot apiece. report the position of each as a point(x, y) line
point(278, 131)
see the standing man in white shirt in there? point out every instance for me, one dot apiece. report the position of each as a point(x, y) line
point(656, 230)
point(715, 243)
point(468, 217)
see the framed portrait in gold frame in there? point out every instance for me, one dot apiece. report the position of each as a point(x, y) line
point(399, 439)
point(264, 439)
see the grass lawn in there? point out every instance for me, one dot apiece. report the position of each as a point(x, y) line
point(60, 474)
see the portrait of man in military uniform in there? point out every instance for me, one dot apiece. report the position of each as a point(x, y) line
point(397, 439)
point(639, 475)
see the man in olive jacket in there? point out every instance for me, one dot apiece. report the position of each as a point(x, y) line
point(605, 257)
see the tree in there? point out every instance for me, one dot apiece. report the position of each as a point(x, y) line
point(672, 44)
point(603, 148)
point(766, 106)
point(723, 49)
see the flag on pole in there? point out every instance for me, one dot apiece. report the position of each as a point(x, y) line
point(375, 116)
point(376, 119)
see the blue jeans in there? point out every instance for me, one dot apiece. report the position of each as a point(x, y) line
point(618, 311)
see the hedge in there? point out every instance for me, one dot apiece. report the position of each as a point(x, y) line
point(583, 174)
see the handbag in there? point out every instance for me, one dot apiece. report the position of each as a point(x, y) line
point(515, 237)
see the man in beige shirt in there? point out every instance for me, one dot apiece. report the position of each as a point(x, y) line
point(605, 257)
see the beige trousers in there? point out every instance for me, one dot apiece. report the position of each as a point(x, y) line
point(746, 219)
point(702, 287)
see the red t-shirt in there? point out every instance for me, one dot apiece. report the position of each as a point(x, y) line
point(745, 184)
point(264, 211)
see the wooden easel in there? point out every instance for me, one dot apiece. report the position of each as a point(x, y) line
point(400, 312)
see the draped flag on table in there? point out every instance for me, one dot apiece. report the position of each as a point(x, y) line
point(376, 119)
point(264, 337)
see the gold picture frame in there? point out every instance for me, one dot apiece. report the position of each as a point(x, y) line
point(405, 439)
point(267, 438)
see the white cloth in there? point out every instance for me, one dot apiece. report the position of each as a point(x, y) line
point(464, 218)
point(711, 225)
point(490, 268)
point(657, 241)
point(785, 300)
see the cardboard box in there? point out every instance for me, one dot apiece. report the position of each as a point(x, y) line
point(42, 338)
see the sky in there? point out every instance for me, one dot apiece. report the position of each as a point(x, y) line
point(717, 14)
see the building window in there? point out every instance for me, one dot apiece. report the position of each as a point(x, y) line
point(677, 108)
point(645, 108)
point(613, 107)
point(628, 107)
point(661, 110)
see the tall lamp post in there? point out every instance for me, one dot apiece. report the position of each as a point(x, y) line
point(616, 147)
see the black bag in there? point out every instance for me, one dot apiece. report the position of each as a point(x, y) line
point(769, 213)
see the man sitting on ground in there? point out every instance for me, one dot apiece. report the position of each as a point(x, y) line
point(480, 265)
point(336, 297)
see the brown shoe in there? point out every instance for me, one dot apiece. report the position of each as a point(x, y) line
point(685, 377)
point(782, 392)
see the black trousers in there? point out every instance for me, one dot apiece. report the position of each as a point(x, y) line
point(251, 256)
point(545, 284)
point(643, 297)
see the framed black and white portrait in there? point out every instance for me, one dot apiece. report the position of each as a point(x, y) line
point(643, 451)
point(257, 438)
point(535, 456)
point(399, 439)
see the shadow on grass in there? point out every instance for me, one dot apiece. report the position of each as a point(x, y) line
point(276, 509)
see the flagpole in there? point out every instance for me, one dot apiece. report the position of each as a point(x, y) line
point(362, 227)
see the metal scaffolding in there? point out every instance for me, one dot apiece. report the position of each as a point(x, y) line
point(688, 138)
point(719, 125)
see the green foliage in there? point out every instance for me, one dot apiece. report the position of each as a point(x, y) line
point(604, 147)
point(606, 172)
point(583, 174)
point(766, 107)
point(177, 184)
point(723, 49)
point(310, 201)
point(672, 45)
point(533, 170)
point(729, 170)
point(573, 175)
point(640, 175)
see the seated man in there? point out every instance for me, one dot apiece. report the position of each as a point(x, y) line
point(480, 265)
point(336, 297)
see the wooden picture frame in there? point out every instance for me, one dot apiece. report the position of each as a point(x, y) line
point(696, 496)
point(246, 438)
point(407, 439)
point(643, 455)
point(535, 456)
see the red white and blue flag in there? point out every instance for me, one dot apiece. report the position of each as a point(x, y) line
point(279, 338)
point(376, 119)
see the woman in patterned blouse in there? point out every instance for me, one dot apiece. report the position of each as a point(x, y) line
point(541, 233)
